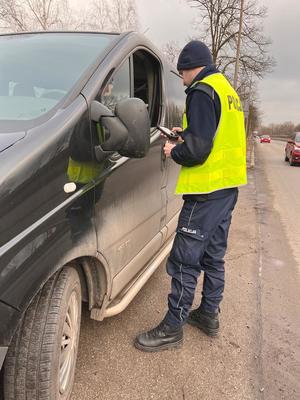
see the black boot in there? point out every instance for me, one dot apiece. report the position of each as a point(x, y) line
point(204, 320)
point(160, 338)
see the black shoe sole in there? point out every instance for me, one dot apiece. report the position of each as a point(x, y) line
point(208, 331)
point(166, 346)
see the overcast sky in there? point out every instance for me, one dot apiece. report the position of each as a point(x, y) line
point(165, 20)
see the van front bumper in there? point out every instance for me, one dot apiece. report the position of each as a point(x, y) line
point(3, 351)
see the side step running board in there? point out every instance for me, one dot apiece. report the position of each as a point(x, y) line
point(139, 283)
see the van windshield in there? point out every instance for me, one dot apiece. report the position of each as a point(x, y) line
point(38, 70)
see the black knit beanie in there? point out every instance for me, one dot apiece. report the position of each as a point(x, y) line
point(194, 54)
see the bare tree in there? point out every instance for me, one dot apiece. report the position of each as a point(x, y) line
point(48, 14)
point(113, 15)
point(26, 15)
point(103, 15)
point(297, 128)
point(286, 129)
point(12, 16)
point(218, 26)
point(171, 50)
point(123, 15)
point(219, 22)
point(99, 15)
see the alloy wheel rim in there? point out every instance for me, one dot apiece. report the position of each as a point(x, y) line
point(69, 344)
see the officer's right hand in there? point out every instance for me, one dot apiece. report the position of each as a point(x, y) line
point(178, 129)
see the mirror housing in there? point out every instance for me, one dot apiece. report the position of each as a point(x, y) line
point(134, 115)
point(99, 110)
point(127, 132)
point(115, 132)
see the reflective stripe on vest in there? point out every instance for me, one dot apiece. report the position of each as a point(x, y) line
point(225, 167)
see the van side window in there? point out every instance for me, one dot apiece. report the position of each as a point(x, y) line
point(118, 87)
point(176, 99)
point(147, 83)
point(139, 76)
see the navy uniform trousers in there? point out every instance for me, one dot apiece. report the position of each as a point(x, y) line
point(199, 245)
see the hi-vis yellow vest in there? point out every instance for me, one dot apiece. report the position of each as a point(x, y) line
point(225, 167)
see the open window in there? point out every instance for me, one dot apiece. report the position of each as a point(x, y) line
point(146, 82)
point(138, 76)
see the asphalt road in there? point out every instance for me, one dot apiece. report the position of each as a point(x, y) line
point(257, 355)
point(284, 182)
point(278, 221)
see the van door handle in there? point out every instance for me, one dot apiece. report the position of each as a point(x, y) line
point(69, 187)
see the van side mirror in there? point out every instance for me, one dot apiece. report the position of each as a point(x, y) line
point(134, 115)
point(114, 131)
point(127, 131)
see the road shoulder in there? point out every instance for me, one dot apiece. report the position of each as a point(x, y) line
point(279, 282)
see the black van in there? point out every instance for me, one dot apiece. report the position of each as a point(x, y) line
point(87, 209)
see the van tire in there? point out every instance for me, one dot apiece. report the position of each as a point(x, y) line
point(32, 366)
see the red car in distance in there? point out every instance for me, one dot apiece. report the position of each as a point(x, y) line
point(265, 139)
point(292, 150)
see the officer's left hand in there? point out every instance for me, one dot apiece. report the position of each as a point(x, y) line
point(168, 148)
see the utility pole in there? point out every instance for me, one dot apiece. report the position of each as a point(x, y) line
point(238, 47)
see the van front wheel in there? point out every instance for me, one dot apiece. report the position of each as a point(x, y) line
point(40, 364)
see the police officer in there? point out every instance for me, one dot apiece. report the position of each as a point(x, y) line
point(213, 159)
